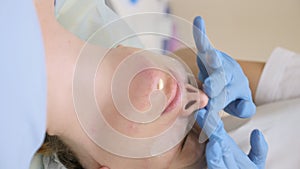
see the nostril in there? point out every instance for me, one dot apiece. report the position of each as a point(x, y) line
point(189, 104)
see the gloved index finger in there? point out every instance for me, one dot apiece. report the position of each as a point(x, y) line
point(207, 53)
point(199, 33)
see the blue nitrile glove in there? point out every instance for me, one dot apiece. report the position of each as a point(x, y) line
point(223, 79)
point(223, 153)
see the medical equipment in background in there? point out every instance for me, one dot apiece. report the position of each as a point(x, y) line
point(161, 24)
point(83, 18)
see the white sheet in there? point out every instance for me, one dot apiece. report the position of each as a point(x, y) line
point(279, 122)
point(280, 79)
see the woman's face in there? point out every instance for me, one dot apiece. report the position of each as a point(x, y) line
point(142, 85)
point(68, 128)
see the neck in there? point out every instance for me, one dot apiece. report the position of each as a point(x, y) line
point(61, 49)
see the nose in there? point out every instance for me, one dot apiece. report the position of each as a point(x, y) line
point(146, 82)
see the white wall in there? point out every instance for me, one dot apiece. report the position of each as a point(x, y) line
point(246, 29)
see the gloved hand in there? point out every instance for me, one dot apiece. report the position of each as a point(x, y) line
point(223, 153)
point(223, 79)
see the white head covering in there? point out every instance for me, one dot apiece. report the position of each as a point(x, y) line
point(52, 162)
point(85, 17)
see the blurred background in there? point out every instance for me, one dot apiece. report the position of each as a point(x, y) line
point(247, 30)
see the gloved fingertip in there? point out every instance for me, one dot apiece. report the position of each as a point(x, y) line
point(254, 139)
point(256, 133)
point(241, 108)
point(245, 108)
point(258, 142)
point(200, 38)
point(259, 148)
point(199, 23)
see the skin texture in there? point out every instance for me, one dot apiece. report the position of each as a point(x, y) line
point(62, 49)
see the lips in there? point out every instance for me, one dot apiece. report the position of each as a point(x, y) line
point(173, 101)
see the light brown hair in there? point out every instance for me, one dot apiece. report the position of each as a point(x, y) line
point(53, 145)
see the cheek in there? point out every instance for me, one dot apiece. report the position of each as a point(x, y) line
point(132, 129)
point(120, 123)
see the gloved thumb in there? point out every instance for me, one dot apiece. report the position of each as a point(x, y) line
point(241, 108)
point(259, 149)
